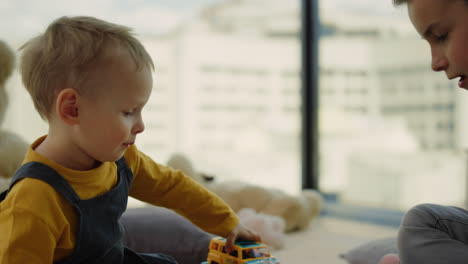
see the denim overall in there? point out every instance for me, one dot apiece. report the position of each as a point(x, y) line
point(99, 237)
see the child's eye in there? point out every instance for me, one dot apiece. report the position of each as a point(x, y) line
point(128, 113)
point(442, 37)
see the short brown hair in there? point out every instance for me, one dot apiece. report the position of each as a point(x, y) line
point(64, 54)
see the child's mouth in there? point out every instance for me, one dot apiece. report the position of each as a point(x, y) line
point(128, 144)
point(462, 82)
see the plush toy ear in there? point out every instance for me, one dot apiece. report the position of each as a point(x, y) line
point(207, 177)
point(67, 105)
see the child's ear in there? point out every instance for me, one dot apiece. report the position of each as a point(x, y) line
point(67, 105)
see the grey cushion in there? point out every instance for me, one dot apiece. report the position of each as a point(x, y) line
point(371, 252)
point(159, 230)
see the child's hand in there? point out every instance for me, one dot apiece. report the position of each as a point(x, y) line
point(240, 232)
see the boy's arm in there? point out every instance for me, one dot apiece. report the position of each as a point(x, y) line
point(24, 239)
point(30, 223)
point(163, 186)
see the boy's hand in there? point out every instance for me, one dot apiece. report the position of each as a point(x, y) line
point(240, 232)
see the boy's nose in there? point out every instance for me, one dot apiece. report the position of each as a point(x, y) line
point(139, 126)
point(439, 62)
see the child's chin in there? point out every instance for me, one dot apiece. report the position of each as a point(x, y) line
point(117, 158)
point(113, 158)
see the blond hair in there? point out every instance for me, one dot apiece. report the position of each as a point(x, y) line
point(64, 55)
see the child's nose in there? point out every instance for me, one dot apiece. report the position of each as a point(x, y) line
point(139, 126)
point(439, 62)
point(439, 65)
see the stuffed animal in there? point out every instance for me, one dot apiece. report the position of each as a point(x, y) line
point(296, 211)
point(12, 146)
point(7, 63)
point(270, 228)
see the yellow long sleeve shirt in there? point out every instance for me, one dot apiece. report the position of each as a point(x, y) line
point(37, 225)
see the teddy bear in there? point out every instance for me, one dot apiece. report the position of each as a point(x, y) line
point(297, 211)
point(12, 146)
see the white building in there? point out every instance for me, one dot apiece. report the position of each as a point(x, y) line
point(231, 97)
point(387, 179)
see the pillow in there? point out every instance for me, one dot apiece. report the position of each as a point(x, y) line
point(371, 252)
point(159, 230)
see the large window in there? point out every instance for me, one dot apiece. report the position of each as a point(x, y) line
point(227, 92)
point(231, 92)
point(389, 127)
point(226, 86)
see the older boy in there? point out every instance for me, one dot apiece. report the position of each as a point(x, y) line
point(435, 234)
point(90, 80)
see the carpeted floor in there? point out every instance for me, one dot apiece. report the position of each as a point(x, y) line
point(328, 237)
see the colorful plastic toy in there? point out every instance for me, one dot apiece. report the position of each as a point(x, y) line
point(245, 252)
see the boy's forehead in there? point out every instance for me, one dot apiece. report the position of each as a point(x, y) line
point(423, 13)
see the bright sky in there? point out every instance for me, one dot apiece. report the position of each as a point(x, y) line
point(22, 19)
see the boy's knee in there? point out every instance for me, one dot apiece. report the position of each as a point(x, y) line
point(418, 218)
point(420, 215)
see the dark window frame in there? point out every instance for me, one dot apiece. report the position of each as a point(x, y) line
point(310, 35)
point(310, 107)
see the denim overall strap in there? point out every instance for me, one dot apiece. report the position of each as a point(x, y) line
point(45, 173)
point(99, 234)
point(99, 237)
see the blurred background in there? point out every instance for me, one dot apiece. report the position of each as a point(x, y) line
point(227, 92)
